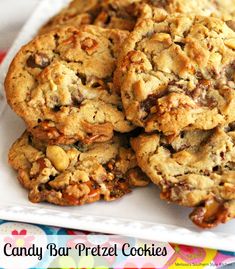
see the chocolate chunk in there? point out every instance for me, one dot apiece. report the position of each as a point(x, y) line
point(200, 94)
point(83, 78)
point(77, 99)
point(38, 60)
point(148, 103)
point(231, 24)
point(151, 100)
point(80, 146)
point(56, 108)
point(181, 44)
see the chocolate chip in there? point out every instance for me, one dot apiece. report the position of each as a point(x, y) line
point(159, 3)
point(181, 44)
point(170, 148)
point(112, 7)
point(151, 100)
point(96, 85)
point(148, 103)
point(56, 108)
point(30, 139)
point(108, 79)
point(51, 178)
point(200, 96)
point(196, 93)
point(31, 62)
point(222, 155)
point(77, 99)
point(119, 107)
point(56, 36)
point(199, 75)
point(229, 71)
point(95, 185)
point(80, 146)
point(231, 24)
point(40, 187)
point(108, 20)
point(111, 40)
point(82, 78)
point(216, 168)
point(38, 60)
point(232, 126)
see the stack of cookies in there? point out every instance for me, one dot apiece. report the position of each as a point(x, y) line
point(117, 92)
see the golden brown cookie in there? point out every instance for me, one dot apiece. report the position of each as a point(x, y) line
point(177, 73)
point(220, 8)
point(77, 13)
point(225, 9)
point(123, 14)
point(199, 7)
point(112, 14)
point(195, 169)
point(75, 174)
point(61, 84)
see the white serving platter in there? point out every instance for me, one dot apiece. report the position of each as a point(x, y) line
point(141, 214)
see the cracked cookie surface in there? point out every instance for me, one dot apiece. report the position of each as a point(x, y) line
point(75, 174)
point(77, 13)
point(177, 73)
point(112, 14)
point(61, 85)
point(124, 14)
point(225, 9)
point(218, 8)
point(195, 169)
point(199, 7)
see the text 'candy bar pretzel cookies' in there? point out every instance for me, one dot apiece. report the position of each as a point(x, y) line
point(177, 73)
point(61, 85)
point(75, 174)
point(195, 169)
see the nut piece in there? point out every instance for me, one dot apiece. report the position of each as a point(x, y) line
point(39, 60)
point(230, 43)
point(89, 45)
point(58, 157)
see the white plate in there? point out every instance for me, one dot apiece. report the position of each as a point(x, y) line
point(141, 214)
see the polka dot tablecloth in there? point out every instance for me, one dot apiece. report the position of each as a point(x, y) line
point(183, 258)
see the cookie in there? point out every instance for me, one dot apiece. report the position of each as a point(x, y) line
point(112, 14)
point(218, 8)
point(75, 174)
point(61, 84)
point(119, 14)
point(77, 13)
point(177, 74)
point(199, 7)
point(195, 169)
point(225, 9)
